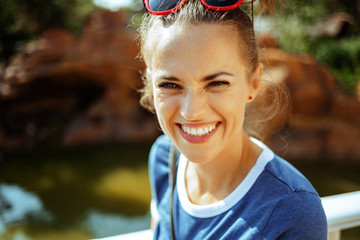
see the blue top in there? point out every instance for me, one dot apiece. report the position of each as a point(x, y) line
point(274, 201)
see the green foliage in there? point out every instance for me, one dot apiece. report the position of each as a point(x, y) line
point(343, 57)
point(39, 15)
point(348, 79)
point(340, 54)
point(293, 26)
point(23, 20)
point(290, 31)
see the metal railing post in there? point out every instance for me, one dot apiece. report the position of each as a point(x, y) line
point(334, 235)
point(342, 212)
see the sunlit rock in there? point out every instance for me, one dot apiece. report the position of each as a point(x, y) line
point(323, 122)
point(73, 90)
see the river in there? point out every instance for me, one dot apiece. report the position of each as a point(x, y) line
point(102, 190)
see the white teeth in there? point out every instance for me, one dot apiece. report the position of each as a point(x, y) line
point(198, 131)
point(206, 130)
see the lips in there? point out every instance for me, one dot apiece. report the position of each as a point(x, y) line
point(198, 133)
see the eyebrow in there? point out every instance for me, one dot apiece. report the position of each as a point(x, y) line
point(169, 78)
point(205, 79)
point(215, 75)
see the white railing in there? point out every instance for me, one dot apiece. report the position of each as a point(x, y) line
point(140, 235)
point(342, 212)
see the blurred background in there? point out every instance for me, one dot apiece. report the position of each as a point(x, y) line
point(74, 140)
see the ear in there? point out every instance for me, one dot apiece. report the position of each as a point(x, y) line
point(255, 81)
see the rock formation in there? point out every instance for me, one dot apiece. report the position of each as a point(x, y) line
point(323, 122)
point(73, 90)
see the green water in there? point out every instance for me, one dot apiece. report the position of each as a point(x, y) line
point(75, 185)
point(101, 190)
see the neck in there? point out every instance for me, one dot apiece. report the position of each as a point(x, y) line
point(215, 179)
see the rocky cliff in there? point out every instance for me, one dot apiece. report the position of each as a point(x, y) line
point(71, 90)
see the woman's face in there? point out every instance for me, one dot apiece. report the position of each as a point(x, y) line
point(201, 86)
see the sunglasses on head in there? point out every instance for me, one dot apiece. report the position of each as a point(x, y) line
point(164, 7)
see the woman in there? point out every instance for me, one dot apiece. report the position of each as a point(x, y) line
point(202, 76)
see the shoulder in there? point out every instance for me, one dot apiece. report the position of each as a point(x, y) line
point(276, 171)
point(288, 176)
point(294, 208)
point(158, 167)
point(160, 150)
point(298, 213)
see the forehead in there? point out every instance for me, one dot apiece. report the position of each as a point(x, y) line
point(196, 48)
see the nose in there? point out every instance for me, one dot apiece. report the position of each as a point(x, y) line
point(193, 106)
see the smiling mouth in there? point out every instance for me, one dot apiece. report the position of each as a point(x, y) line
point(199, 131)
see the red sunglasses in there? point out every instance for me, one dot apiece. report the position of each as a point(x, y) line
point(164, 7)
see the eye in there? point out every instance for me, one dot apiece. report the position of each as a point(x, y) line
point(218, 84)
point(169, 85)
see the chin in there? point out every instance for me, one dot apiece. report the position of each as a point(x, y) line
point(194, 152)
point(197, 155)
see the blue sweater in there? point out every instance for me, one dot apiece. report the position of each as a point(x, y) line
point(274, 201)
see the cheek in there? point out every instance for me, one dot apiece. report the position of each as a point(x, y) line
point(234, 99)
point(231, 107)
point(160, 109)
point(165, 109)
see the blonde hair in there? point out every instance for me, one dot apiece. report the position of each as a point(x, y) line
point(193, 12)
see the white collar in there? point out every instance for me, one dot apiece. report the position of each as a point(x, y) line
point(211, 210)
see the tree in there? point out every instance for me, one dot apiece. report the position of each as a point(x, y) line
point(23, 20)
